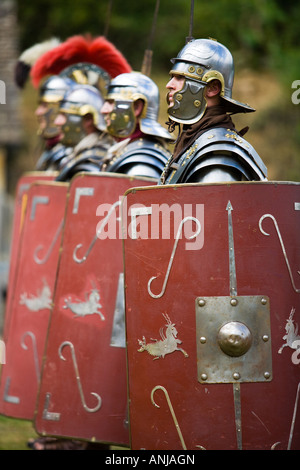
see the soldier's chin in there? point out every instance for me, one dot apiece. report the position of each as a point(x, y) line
point(52, 135)
point(171, 106)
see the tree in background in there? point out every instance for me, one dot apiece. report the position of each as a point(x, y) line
point(264, 33)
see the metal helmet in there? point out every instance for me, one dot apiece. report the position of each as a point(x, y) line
point(124, 90)
point(77, 103)
point(201, 61)
point(51, 93)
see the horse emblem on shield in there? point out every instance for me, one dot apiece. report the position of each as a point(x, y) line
point(89, 306)
point(166, 345)
point(37, 302)
point(291, 337)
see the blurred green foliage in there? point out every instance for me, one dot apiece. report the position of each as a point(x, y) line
point(260, 33)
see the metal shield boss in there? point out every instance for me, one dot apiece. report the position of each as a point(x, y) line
point(31, 297)
point(83, 392)
point(212, 316)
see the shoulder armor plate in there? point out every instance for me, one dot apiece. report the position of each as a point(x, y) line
point(149, 152)
point(87, 160)
point(223, 147)
point(52, 157)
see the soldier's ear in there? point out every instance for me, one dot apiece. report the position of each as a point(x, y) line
point(213, 88)
point(88, 123)
point(138, 107)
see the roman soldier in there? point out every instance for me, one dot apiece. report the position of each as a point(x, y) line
point(209, 148)
point(131, 112)
point(79, 60)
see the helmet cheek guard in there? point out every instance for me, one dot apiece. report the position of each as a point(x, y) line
point(122, 119)
point(189, 103)
point(73, 131)
point(50, 130)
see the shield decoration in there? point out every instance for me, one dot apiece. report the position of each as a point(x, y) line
point(23, 186)
point(83, 391)
point(31, 304)
point(212, 315)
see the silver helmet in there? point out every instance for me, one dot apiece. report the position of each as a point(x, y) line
point(77, 103)
point(201, 61)
point(124, 90)
point(51, 94)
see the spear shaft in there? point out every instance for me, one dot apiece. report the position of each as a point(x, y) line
point(190, 36)
point(147, 61)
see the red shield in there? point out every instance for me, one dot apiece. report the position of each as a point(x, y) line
point(83, 391)
point(20, 204)
point(212, 316)
point(31, 302)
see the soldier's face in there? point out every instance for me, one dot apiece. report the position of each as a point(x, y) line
point(174, 85)
point(106, 110)
point(46, 113)
point(40, 113)
point(59, 122)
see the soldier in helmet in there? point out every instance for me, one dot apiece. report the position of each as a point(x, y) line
point(85, 60)
point(209, 149)
point(82, 127)
point(131, 112)
point(51, 94)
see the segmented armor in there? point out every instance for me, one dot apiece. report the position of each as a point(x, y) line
point(87, 156)
point(53, 158)
point(142, 157)
point(217, 155)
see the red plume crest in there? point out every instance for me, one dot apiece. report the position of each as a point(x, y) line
point(98, 51)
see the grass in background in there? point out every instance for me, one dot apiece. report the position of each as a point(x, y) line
point(14, 433)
